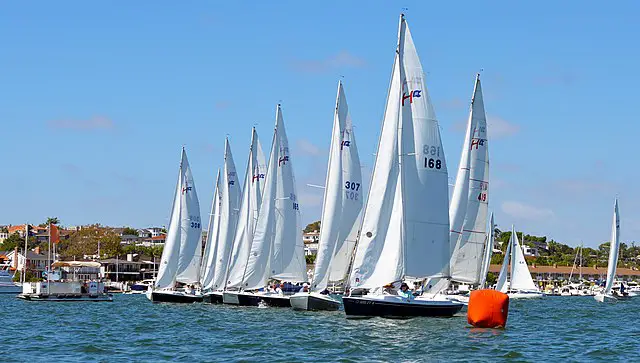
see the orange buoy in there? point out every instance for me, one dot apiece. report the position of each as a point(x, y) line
point(488, 309)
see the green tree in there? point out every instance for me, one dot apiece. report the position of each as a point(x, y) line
point(130, 231)
point(15, 240)
point(86, 242)
point(53, 220)
point(315, 226)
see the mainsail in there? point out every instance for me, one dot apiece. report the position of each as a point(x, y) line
point(230, 201)
point(470, 206)
point(209, 256)
point(276, 249)
point(613, 249)
point(254, 179)
point(180, 259)
point(342, 200)
point(405, 230)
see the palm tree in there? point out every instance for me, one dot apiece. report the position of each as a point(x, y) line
point(53, 220)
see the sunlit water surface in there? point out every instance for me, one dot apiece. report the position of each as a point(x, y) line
point(133, 329)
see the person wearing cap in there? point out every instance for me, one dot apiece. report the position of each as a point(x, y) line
point(305, 287)
point(278, 290)
point(405, 292)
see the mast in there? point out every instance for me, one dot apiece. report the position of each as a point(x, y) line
point(26, 239)
point(49, 262)
point(580, 266)
point(403, 224)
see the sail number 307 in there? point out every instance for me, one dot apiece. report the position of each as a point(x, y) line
point(352, 189)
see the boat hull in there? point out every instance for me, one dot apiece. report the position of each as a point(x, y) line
point(525, 295)
point(392, 306)
point(605, 298)
point(173, 297)
point(67, 298)
point(275, 301)
point(215, 297)
point(240, 298)
point(313, 301)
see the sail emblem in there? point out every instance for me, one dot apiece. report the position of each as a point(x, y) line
point(411, 95)
point(477, 143)
point(344, 144)
point(256, 177)
point(283, 160)
point(186, 189)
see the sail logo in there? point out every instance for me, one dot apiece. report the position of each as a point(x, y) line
point(344, 144)
point(257, 177)
point(412, 94)
point(186, 189)
point(477, 143)
point(283, 160)
point(232, 182)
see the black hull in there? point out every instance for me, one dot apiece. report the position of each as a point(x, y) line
point(212, 298)
point(248, 300)
point(365, 308)
point(175, 298)
point(313, 303)
point(276, 302)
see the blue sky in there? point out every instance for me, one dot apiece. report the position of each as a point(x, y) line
point(97, 99)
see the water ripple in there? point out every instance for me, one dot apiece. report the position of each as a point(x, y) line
point(572, 329)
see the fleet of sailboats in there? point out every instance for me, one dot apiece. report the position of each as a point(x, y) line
point(404, 233)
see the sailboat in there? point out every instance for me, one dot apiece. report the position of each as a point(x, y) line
point(470, 203)
point(607, 295)
point(255, 175)
point(180, 261)
point(405, 227)
point(519, 283)
point(340, 212)
point(209, 255)
point(225, 219)
point(276, 251)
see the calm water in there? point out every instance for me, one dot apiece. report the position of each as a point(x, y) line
point(133, 329)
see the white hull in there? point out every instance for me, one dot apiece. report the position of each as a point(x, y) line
point(605, 298)
point(525, 295)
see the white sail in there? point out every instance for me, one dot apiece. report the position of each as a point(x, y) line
point(230, 202)
point(191, 229)
point(167, 270)
point(254, 179)
point(613, 249)
point(277, 250)
point(342, 198)
point(488, 250)
point(405, 230)
point(520, 276)
point(501, 284)
point(466, 262)
point(209, 256)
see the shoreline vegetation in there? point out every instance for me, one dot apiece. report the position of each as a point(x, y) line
point(97, 241)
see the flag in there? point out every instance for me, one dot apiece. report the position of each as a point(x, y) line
point(54, 233)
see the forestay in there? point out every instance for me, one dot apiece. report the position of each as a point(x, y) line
point(342, 200)
point(405, 229)
point(488, 251)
